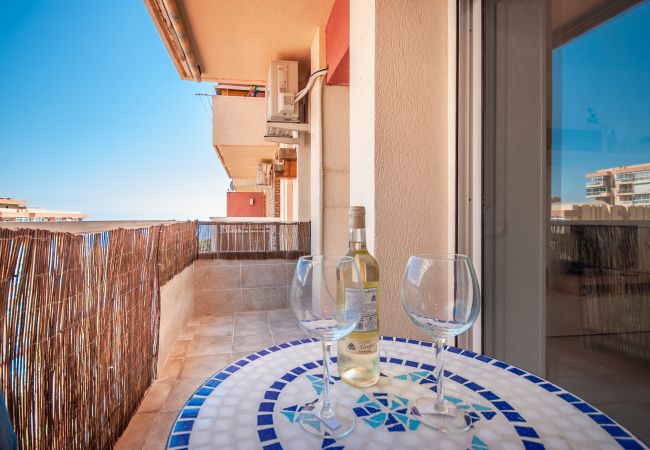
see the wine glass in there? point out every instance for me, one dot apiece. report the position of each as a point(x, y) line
point(440, 294)
point(325, 298)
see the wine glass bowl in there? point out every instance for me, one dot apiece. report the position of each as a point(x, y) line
point(440, 293)
point(317, 292)
point(325, 297)
point(441, 296)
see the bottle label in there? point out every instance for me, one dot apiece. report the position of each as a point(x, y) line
point(361, 346)
point(368, 320)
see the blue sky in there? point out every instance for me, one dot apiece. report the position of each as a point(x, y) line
point(94, 116)
point(601, 101)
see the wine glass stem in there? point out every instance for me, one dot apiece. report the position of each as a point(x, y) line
point(327, 411)
point(439, 373)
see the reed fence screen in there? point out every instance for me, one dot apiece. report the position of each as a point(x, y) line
point(254, 240)
point(79, 316)
point(606, 266)
point(177, 249)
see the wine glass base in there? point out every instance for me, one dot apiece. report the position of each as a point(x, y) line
point(448, 420)
point(341, 425)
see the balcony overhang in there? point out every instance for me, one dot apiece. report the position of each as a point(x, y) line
point(241, 161)
point(235, 41)
point(238, 128)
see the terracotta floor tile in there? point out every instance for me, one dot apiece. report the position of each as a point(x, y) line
point(179, 347)
point(171, 368)
point(250, 315)
point(280, 314)
point(160, 432)
point(216, 320)
point(137, 432)
point(244, 328)
point(212, 345)
point(285, 326)
point(279, 338)
point(251, 343)
point(237, 356)
point(188, 333)
point(203, 366)
point(203, 349)
point(156, 396)
point(194, 321)
point(180, 394)
point(214, 330)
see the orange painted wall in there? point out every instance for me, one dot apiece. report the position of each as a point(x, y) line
point(337, 44)
point(238, 204)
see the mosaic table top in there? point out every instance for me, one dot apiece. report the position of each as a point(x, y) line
point(254, 403)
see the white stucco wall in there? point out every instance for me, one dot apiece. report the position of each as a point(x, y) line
point(317, 61)
point(336, 169)
point(329, 159)
point(398, 137)
point(362, 111)
point(302, 188)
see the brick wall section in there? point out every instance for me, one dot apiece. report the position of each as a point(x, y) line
point(269, 205)
point(276, 197)
point(224, 287)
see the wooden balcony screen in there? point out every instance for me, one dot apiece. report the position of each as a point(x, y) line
point(254, 240)
point(79, 316)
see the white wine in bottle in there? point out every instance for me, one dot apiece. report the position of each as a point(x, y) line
point(358, 353)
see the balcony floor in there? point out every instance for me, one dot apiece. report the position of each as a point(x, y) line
point(619, 386)
point(207, 345)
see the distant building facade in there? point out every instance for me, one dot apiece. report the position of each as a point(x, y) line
point(12, 210)
point(615, 193)
point(626, 185)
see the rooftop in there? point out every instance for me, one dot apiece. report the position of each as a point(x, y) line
point(12, 201)
point(619, 169)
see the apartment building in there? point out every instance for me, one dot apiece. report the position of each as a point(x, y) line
point(13, 210)
point(435, 116)
point(625, 185)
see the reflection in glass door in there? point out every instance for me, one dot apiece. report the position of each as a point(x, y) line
point(598, 291)
point(566, 196)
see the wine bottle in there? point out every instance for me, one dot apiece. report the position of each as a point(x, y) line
point(358, 353)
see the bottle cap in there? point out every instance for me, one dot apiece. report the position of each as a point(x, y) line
point(357, 217)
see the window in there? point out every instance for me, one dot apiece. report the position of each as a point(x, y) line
point(640, 176)
point(596, 191)
point(642, 198)
point(595, 181)
point(625, 177)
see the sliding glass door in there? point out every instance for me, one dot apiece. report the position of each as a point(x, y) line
point(566, 196)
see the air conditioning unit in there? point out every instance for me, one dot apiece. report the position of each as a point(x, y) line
point(283, 112)
point(281, 89)
point(263, 179)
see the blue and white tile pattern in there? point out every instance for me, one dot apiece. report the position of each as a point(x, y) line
point(255, 402)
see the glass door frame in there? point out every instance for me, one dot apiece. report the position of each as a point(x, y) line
point(468, 145)
point(507, 245)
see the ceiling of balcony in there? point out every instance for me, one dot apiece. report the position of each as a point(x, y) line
point(235, 40)
point(241, 163)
